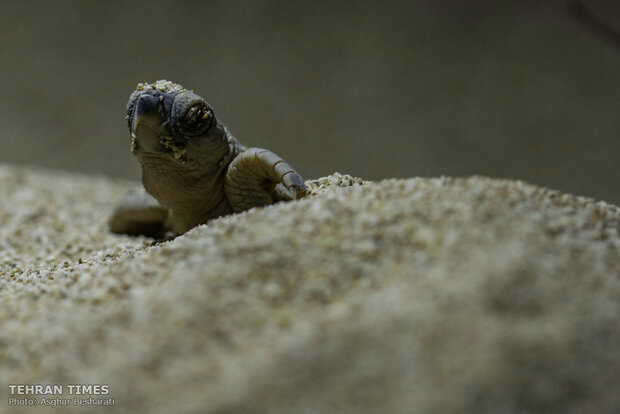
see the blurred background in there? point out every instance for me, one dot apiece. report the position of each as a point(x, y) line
point(504, 88)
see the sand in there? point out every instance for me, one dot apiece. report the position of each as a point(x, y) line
point(418, 295)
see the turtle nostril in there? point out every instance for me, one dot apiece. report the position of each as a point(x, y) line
point(147, 104)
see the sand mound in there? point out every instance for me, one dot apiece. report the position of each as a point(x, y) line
point(403, 296)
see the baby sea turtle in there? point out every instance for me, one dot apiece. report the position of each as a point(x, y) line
point(193, 168)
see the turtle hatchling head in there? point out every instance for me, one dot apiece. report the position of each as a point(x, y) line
point(169, 121)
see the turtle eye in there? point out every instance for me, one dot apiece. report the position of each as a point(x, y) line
point(197, 119)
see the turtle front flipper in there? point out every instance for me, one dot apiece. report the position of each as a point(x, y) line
point(139, 214)
point(258, 177)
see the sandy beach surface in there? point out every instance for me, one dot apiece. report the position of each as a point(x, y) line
point(419, 295)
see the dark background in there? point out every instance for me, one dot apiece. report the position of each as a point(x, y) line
point(515, 89)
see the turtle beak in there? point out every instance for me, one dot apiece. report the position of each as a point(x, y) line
point(147, 124)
